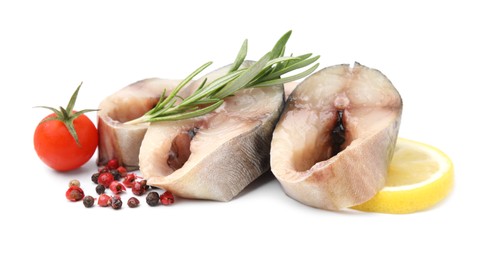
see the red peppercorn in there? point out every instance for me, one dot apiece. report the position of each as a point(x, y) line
point(167, 198)
point(116, 187)
point(106, 179)
point(122, 170)
point(74, 193)
point(129, 180)
point(103, 169)
point(112, 164)
point(139, 187)
point(104, 200)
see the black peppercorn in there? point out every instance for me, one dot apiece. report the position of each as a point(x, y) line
point(95, 177)
point(100, 189)
point(88, 201)
point(133, 202)
point(153, 198)
point(116, 174)
point(116, 202)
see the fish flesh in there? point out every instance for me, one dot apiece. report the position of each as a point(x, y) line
point(334, 141)
point(214, 156)
point(121, 141)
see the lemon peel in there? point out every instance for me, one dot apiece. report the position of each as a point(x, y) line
point(420, 176)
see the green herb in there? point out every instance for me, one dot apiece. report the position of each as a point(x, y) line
point(267, 71)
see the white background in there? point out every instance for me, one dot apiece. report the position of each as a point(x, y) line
point(432, 52)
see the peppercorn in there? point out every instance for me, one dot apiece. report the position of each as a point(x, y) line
point(105, 178)
point(88, 201)
point(153, 198)
point(74, 183)
point(122, 170)
point(116, 175)
point(104, 200)
point(167, 198)
point(95, 177)
point(129, 180)
point(116, 187)
point(139, 187)
point(74, 193)
point(133, 202)
point(112, 164)
point(116, 202)
point(100, 189)
point(103, 169)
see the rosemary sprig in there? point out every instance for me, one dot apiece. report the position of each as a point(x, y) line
point(267, 71)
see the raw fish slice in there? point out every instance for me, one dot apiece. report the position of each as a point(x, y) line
point(217, 155)
point(333, 143)
point(122, 141)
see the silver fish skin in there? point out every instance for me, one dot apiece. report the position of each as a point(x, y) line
point(215, 156)
point(121, 141)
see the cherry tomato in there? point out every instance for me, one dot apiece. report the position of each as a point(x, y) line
point(66, 139)
point(57, 148)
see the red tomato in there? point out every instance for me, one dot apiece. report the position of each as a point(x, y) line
point(57, 148)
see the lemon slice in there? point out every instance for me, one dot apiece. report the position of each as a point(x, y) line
point(420, 176)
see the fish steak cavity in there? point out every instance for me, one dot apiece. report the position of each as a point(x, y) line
point(214, 156)
point(121, 141)
point(334, 141)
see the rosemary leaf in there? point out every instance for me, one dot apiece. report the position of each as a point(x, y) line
point(279, 48)
point(188, 115)
point(208, 96)
point(158, 106)
point(292, 67)
point(213, 87)
point(183, 83)
point(244, 78)
point(287, 79)
point(164, 109)
point(241, 56)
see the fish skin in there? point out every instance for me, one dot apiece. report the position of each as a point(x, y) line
point(122, 141)
point(228, 152)
point(301, 157)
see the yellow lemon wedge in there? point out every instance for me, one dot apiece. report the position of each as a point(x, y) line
point(419, 177)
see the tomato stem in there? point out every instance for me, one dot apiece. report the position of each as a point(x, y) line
point(67, 115)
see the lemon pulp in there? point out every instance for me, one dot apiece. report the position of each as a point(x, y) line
point(419, 177)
